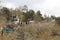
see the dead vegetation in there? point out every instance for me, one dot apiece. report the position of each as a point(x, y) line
point(37, 31)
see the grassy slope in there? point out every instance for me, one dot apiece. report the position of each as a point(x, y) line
point(41, 31)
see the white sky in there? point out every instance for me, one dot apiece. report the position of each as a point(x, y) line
point(48, 7)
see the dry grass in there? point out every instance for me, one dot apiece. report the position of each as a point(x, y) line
point(33, 32)
point(43, 31)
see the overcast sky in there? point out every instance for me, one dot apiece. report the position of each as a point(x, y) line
point(48, 7)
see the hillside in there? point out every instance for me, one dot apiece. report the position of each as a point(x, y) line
point(37, 31)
